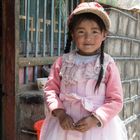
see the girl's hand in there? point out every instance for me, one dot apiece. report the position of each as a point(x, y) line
point(86, 123)
point(66, 121)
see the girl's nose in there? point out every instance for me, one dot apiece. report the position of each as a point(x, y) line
point(88, 36)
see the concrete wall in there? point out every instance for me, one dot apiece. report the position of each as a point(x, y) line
point(124, 45)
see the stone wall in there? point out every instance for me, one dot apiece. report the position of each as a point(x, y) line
point(123, 44)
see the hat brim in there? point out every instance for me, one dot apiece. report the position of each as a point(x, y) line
point(92, 7)
point(103, 15)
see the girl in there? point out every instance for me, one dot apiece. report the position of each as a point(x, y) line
point(84, 92)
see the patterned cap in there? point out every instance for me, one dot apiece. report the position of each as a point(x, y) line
point(92, 7)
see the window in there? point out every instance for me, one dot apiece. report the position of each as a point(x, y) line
point(43, 33)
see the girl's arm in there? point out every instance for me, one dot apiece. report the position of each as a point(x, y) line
point(52, 91)
point(52, 87)
point(114, 96)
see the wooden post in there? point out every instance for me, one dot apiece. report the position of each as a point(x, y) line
point(8, 69)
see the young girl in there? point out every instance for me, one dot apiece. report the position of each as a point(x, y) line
point(84, 93)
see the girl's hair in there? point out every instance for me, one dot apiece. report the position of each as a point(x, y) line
point(73, 23)
point(102, 67)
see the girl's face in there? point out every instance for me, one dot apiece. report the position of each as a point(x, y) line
point(88, 37)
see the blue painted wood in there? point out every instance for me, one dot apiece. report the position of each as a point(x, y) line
point(44, 28)
point(52, 29)
point(38, 33)
point(27, 40)
point(59, 26)
point(36, 28)
point(36, 38)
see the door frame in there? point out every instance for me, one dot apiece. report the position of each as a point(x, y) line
point(9, 68)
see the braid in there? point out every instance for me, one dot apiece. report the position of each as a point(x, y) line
point(102, 69)
point(68, 43)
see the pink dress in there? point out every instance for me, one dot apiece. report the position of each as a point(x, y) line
point(71, 87)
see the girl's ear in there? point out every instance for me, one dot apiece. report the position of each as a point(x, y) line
point(72, 35)
point(105, 33)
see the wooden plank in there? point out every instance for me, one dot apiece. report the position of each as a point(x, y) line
point(35, 61)
point(31, 97)
point(8, 47)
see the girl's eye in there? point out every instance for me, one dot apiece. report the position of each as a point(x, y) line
point(95, 32)
point(80, 32)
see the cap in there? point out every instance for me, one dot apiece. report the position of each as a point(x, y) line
point(92, 7)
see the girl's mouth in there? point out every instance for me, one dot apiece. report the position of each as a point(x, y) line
point(88, 45)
